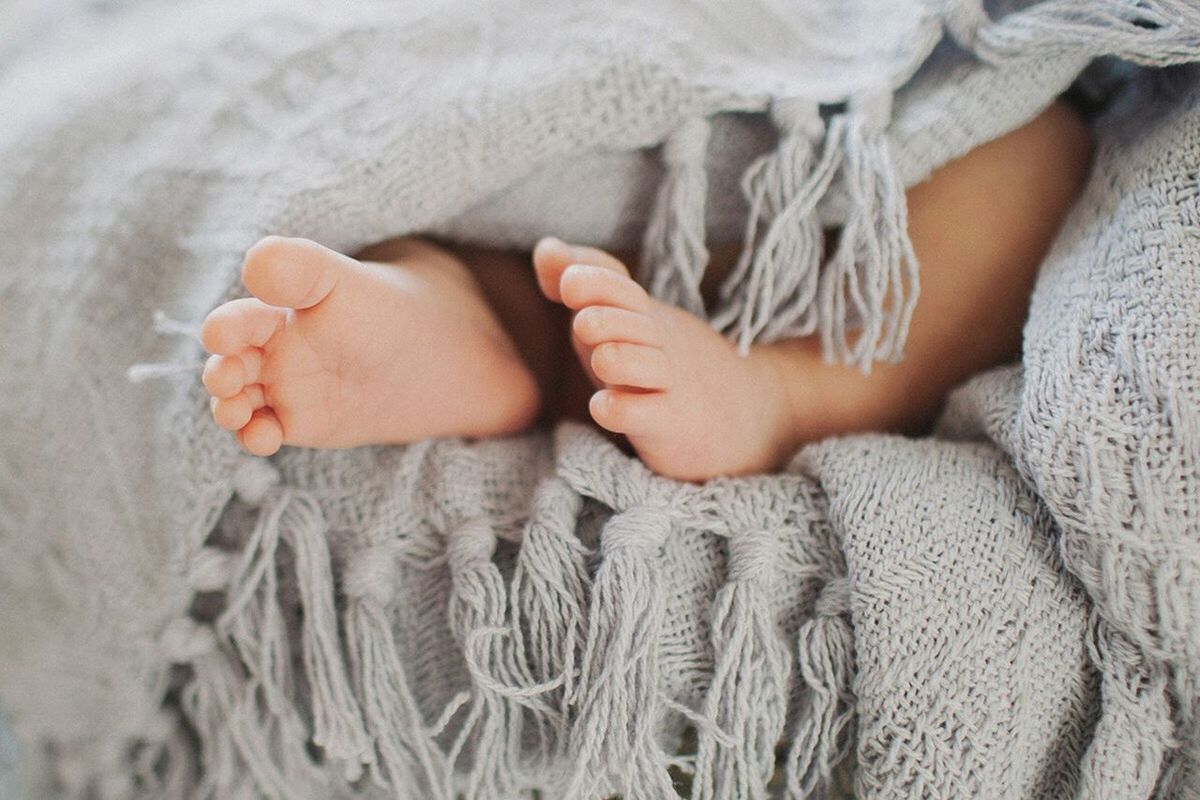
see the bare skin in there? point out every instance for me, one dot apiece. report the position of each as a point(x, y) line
point(335, 352)
point(412, 340)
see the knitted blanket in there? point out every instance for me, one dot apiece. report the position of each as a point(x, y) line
point(1008, 609)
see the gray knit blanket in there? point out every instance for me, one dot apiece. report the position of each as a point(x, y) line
point(1009, 609)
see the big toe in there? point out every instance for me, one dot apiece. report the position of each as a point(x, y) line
point(551, 257)
point(292, 273)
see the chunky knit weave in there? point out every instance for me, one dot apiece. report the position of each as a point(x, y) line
point(1009, 609)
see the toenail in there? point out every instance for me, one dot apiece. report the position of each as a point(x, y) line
point(591, 319)
point(601, 404)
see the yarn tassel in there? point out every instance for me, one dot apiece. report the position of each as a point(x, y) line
point(674, 255)
point(771, 289)
point(409, 755)
point(1154, 33)
point(168, 769)
point(210, 569)
point(748, 696)
point(242, 752)
point(549, 588)
point(1134, 696)
point(869, 287)
point(265, 720)
point(206, 701)
point(337, 721)
point(267, 728)
point(493, 724)
point(825, 659)
point(617, 697)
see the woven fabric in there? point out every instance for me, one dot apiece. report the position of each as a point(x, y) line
point(1008, 609)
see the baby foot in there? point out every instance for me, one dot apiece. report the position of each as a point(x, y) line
point(334, 352)
point(690, 405)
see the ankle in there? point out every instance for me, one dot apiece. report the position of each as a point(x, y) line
point(786, 398)
point(823, 399)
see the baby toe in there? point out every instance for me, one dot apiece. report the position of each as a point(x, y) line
point(582, 254)
point(239, 324)
point(232, 413)
point(224, 376)
point(262, 435)
point(633, 365)
point(595, 325)
point(586, 285)
point(551, 257)
point(628, 413)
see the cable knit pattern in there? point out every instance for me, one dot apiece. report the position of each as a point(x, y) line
point(1008, 609)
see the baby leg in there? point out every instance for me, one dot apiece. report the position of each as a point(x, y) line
point(980, 226)
point(693, 409)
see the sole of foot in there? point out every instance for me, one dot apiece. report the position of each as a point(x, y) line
point(334, 352)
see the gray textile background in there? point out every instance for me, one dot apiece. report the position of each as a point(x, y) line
point(1011, 609)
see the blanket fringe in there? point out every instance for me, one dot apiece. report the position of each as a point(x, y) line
point(263, 721)
point(140, 373)
point(613, 744)
point(245, 749)
point(825, 659)
point(410, 758)
point(550, 587)
point(166, 770)
point(748, 697)
point(869, 287)
point(1155, 33)
point(254, 625)
point(862, 298)
point(477, 610)
point(337, 721)
point(771, 289)
point(674, 255)
point(211, 569)
point(205, 702)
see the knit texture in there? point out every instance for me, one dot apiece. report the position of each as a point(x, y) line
point(1008, 609)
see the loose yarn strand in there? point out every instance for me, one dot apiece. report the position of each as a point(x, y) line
point(164, 325)
point(263, 720)
point(550, 588)
point(869, 288)
point(674, 254)
point(617, 699)
point(495, 722)
point(825, 658)
point(774, 281)
point(748, 696)
point(337, 720)
point(406, 746)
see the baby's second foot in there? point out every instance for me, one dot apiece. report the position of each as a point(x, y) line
point(334, 352)
point(691, 407)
